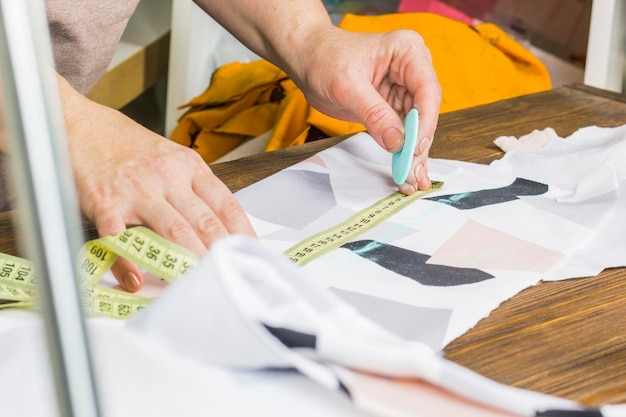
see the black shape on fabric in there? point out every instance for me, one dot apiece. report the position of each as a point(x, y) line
point(569, 413)
point(292, 338)
point(413, 264)
point(344, 389)
point(475, 199)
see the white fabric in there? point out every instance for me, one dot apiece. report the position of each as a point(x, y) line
point(204, 348)
point(519, 240)
point(138, 377)
point(588, 167)
point(263, 288)
point(530, 142)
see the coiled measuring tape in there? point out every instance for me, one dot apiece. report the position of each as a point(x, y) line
point(166, 260)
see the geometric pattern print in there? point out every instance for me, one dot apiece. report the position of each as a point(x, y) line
point(480, 198)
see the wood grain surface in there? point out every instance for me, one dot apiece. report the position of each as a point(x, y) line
point(565, 338)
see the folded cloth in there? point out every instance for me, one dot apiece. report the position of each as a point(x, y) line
point(530, 142)
point(247, 100)
point(589, 171)
point(475, 65)
point(245, 306)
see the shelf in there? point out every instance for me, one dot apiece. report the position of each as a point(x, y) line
point(141, 58)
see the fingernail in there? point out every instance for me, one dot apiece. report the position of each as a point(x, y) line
point(131, 281)
point(417, 172)
point(407, 188)
point(423, 145)
point(392, 139)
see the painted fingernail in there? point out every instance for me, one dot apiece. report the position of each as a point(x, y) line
point(392, 139)
point(423, 145)
point(131, 281)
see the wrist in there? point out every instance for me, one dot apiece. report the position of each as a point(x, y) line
point(299, 53)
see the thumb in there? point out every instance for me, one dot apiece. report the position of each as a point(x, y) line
point(387, 127)
point(381, 121)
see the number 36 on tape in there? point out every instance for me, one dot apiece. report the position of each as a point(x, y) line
point(168, 261)
point(18, 286)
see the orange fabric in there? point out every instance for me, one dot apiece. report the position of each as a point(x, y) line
point(475, 65)
point(237, 104)
point(290, 121)
point(247, 100)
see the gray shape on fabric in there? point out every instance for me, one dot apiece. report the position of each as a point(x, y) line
point(291, 198)
point(475, 199)
point(413, 323)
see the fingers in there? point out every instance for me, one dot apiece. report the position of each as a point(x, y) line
point(192, 224)
point(426, 131)
point(191, 209)
point(419, 77)
point(418, 178)
point(386, 127)
point(223, 203)
point(127, 274)
point(411, 82)
point(198, 211)
point(128, 175)
point(378, 117)
point(421, 160)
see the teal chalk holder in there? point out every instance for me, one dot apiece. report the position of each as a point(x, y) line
point(401, 160)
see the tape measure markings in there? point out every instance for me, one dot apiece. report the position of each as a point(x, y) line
point(152, 252)
point(329, 239)
point(138, 244)
point(109, 302)
point(16, 270)
point(167, 260)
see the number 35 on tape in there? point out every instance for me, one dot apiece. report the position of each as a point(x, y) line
point(168, 261)
point(18, 286)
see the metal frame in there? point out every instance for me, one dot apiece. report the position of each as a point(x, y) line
point(46, 195)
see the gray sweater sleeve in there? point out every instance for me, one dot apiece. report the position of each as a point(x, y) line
point(84, 36)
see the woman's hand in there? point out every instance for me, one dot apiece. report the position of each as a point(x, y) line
point(375, 79)
point(371, 78)
point(128, 175)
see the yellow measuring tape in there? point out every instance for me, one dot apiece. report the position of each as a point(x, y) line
point(321, 243)
point(166, 260)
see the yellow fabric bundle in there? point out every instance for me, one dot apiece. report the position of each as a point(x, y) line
point(475, 65)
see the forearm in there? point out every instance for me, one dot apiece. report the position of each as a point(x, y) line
point(277, 30)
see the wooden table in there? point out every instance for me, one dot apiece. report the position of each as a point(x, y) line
point(565, 338)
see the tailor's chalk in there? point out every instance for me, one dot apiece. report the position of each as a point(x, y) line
point(401, 160)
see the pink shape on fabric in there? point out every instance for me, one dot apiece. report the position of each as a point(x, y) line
point(478, 246)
